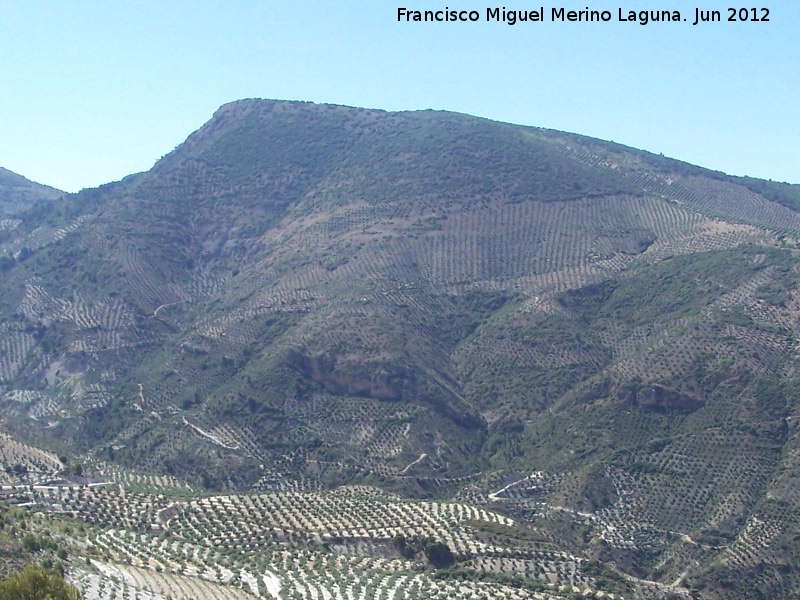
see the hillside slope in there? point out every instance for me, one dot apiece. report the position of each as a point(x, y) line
point(18, 193)
point(597, 340)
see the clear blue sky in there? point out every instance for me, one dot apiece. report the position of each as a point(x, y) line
point(93, 91)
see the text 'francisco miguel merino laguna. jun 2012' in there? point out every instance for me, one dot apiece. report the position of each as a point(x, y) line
point(587, 15)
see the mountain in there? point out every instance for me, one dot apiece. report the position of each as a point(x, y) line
point(17, 193)
point(597, 341)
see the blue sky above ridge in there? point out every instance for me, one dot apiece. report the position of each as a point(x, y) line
point(91, 92)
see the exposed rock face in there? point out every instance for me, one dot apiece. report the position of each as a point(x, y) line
point(377, 382)
point(657, 397)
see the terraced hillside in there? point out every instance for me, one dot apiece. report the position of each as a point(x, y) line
point(597, 343)
point(118, 533)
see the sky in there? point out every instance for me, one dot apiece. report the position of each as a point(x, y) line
point(93, 91)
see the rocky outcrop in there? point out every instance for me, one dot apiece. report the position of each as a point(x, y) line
point(371, 381)
point(658, 397)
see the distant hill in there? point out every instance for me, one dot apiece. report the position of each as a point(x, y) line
point(595, 339)
point(17, 193)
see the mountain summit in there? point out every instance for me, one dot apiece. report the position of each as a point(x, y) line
point(306, 295)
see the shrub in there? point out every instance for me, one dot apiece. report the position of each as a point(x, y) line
point(36, 583)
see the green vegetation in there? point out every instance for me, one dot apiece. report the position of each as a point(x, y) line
point(595, 340)
point(35, 583)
